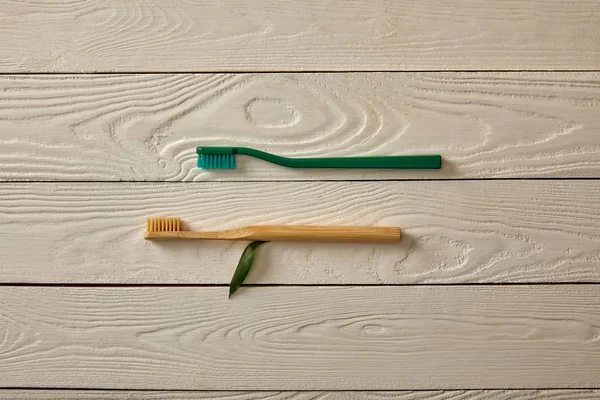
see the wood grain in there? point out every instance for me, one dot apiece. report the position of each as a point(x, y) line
point(235, 35)
point(453, 232)
point(564, 394)
point(146, 127)
point(301, 338)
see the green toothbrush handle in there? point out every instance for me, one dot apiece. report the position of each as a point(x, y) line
point(430, 161)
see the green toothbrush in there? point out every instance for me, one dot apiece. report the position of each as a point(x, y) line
point(210, 157)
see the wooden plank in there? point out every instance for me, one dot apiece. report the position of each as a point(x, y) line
point(147, 127)
point(453, 232)
point(564, 394)
point(235, 35)
point(301, 338)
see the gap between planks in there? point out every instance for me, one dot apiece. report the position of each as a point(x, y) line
point(283, 285)
point(506, 394)
point(328, 180)
point(290, 71)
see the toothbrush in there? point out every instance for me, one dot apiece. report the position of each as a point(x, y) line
point(170, 228)
point(210, 157)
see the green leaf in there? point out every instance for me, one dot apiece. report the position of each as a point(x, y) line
point(243, 268)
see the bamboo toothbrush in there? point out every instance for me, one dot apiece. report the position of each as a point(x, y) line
point(210, 157)
point(170, 228)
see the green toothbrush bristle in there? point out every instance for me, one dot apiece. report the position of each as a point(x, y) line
point(216, 161)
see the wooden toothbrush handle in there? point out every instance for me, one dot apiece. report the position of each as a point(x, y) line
point(323, 233)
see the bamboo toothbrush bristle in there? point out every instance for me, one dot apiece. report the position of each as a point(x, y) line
point(163, 224)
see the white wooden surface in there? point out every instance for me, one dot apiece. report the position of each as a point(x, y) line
point(453, 232)
point(154, 35)
point(567, 394)
point(315, 338)
point(147, 127)
point(201, 72)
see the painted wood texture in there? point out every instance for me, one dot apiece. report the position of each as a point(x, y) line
point(453, 232)
point(235, 35)
point(293, 338)
point(564, 394)
point(147, 127)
